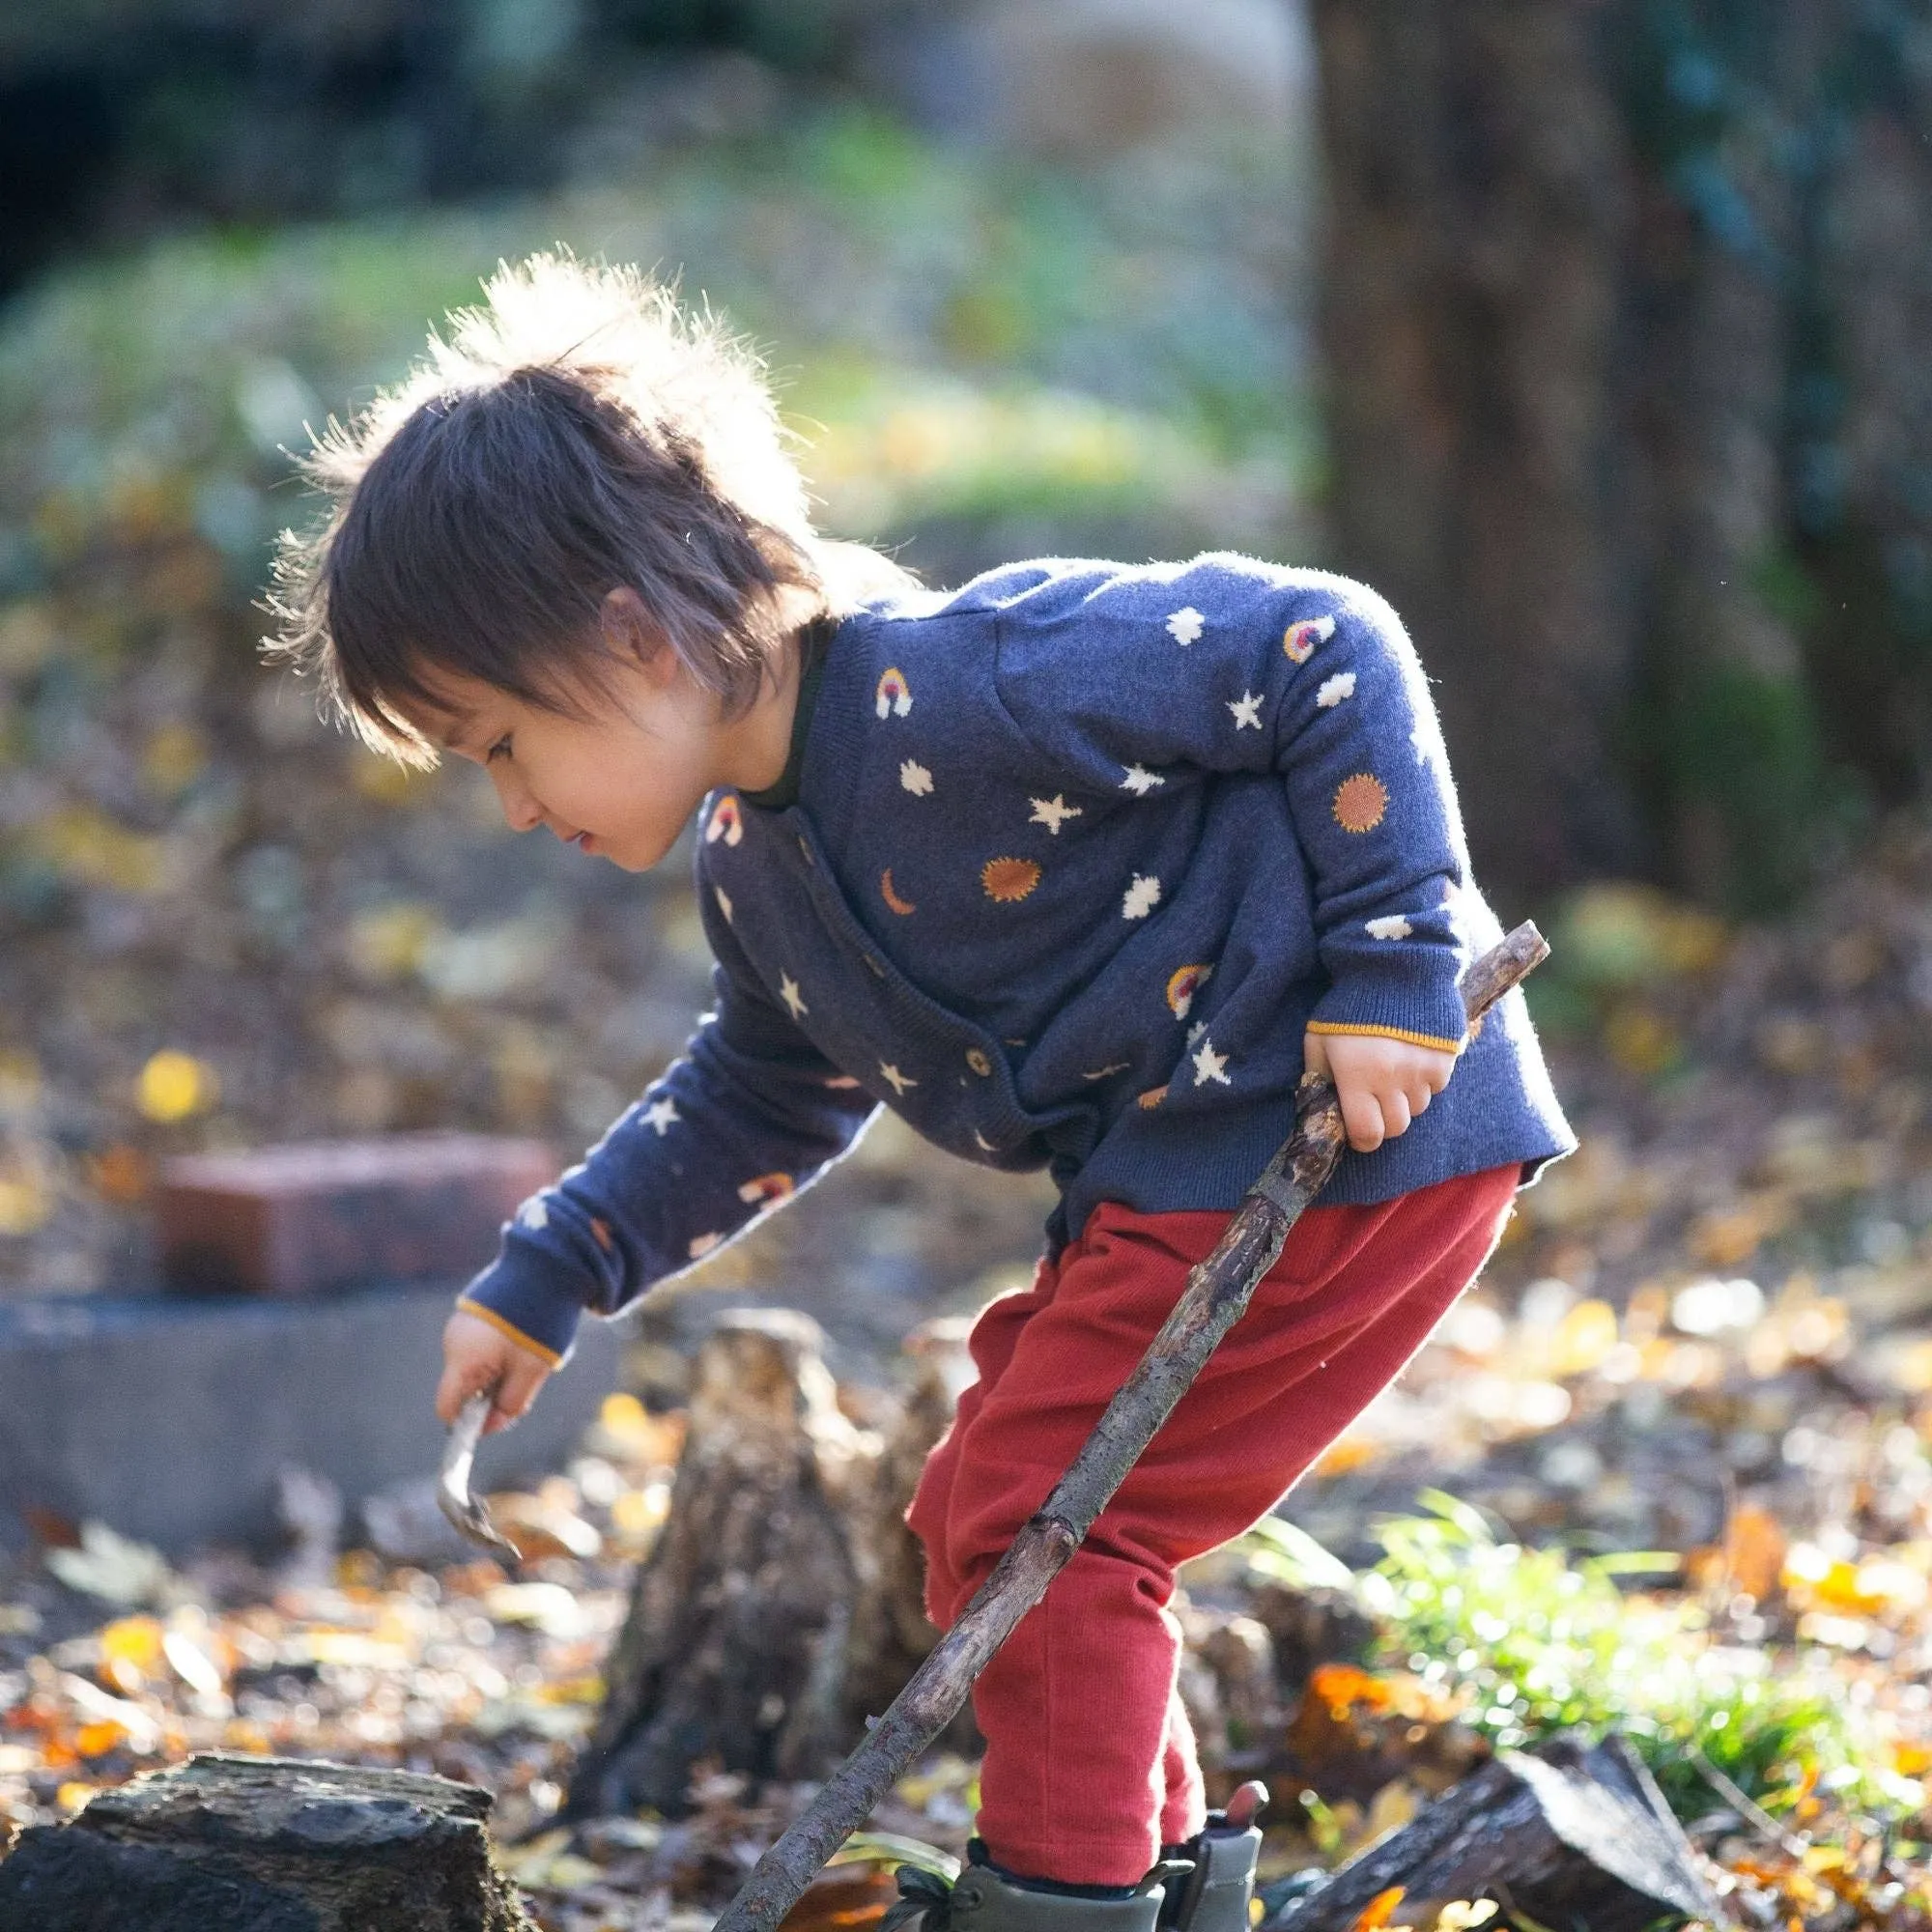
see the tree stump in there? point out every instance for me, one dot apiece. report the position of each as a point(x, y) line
point(273, 1844)
point(1571, 1837)
point(780, 1603)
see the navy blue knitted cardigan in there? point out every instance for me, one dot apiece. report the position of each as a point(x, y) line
point(1067, 861)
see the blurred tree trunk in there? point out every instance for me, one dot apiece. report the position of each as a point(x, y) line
point(1617, 305)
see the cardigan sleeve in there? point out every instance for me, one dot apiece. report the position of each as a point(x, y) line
point(750, 1114)
point(1227, 665)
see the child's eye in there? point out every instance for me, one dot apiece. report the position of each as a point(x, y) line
point(500, 749)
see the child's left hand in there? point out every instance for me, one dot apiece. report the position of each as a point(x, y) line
point(1383, 1083)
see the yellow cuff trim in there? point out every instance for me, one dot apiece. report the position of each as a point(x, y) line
point(1391, 1033)
point(509, 1328)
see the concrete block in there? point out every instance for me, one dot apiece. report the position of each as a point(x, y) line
point(169, 1418)
point(321, 1217)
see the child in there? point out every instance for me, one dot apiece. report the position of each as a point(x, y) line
point(1077, 866)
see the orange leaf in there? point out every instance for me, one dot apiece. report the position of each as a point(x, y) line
point(1378, 1911)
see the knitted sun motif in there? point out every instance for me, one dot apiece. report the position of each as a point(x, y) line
point(1009, 880)
point(1360, 801)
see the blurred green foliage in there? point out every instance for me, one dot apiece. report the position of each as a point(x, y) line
point(1540, 1644)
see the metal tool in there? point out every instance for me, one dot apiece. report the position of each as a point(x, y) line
point(467, 1514)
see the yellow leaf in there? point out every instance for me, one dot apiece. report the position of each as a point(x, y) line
point(1584, 1339)
point(176, 1087)
point(73, 1794)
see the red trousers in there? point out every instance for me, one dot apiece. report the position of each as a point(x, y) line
point(1089, 1761)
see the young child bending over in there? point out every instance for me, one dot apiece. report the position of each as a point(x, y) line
point(1076, 867)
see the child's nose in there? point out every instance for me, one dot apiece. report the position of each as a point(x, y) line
point(521, 811)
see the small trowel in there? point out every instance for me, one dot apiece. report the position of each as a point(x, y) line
point(465, 1511)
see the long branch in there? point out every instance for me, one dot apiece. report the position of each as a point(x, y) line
point(1217, 1293)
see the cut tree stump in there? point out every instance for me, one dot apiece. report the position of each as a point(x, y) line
point(781, 1603)
point(1572, 1836)
point(269, 1844)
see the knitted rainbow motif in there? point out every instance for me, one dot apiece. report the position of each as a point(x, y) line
point(725, 822)
point(1299, 640)
point(894, 696)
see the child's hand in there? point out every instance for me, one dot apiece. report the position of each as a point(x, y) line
point(1383, 1083)
point(478, 1356)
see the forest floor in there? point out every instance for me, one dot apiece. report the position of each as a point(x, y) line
point(1667, 1467)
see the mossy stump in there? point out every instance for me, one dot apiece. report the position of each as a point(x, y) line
point(273, 1844)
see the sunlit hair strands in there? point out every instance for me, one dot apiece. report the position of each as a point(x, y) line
point(575, 433)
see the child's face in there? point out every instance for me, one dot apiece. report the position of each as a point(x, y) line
point(618, 782)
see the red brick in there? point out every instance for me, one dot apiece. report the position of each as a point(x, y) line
point(321, 1217)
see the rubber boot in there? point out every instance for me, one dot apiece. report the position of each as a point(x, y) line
point(985, 1899)
point(1217, 1895)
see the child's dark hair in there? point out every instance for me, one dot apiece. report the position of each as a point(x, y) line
point(574, 435)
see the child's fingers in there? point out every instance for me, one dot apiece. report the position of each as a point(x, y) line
point(1395, 1113)
point(522, 1376)
point(1362, 1116)
point(1419, 1097)
point(462, 1376)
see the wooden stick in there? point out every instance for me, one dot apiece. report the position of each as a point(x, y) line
point(1217, 1293)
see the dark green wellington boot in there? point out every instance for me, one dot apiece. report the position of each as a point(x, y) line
point(985, 1899)
point(1217, 1893)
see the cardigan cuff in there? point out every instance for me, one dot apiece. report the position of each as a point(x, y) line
point(533, 1304)
point(1394, 1005)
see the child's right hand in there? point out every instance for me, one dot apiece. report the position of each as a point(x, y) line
point(476, 1356)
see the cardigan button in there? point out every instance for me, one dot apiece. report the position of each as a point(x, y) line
point(978, 1062)
point(874, 965)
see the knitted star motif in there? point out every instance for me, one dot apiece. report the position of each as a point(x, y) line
point(1341, 685)
point(1209, 1064)
point(898, 1082)
point(533, 1214)
point(1247, 710)
point(1052, 812)
point(703, 1244)
point(660, 1114)
point(1140, 780)
point(1390, 926)
point(788, 993)
point(1141, 898)
point(916, 779)
point(1185, 626)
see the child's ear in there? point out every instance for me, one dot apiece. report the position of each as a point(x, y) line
point(630, 634)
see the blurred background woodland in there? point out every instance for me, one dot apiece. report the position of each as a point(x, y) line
point(1595, 333)
point(1591, 333)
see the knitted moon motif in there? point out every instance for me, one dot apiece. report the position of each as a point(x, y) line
point(900, 906)
point(1360, 801)
point(1009, 880)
